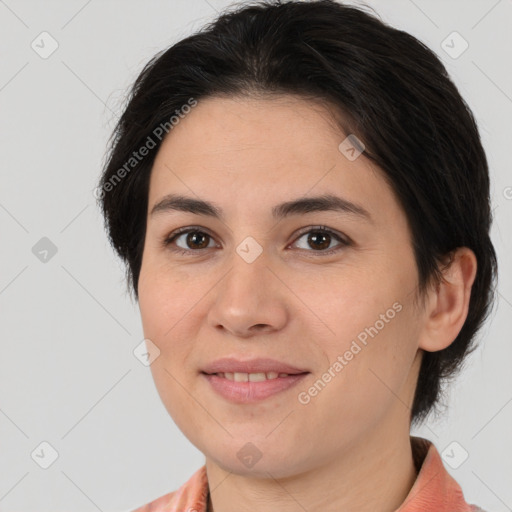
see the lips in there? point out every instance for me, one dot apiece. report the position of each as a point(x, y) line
point(250, 377)
point(266, 366)
point(245, 382)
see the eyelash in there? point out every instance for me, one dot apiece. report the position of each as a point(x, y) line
point(316, 229)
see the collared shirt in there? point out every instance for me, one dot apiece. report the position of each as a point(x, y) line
point(434, 489)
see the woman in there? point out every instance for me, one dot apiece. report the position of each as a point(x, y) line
point(301, 197)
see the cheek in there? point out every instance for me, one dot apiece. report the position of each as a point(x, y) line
point(352, 303)
point(165, 297)
point(368, 320)
point(171, 303)
point(370, 378)
point(164, 301)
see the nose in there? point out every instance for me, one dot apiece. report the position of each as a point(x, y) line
point(250, 299)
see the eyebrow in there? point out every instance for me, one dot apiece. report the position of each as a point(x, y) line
point(300, 206)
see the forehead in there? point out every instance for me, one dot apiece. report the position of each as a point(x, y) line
point(217, 125)
point(264, 150)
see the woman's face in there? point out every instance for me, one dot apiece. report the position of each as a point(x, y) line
point(263, 281)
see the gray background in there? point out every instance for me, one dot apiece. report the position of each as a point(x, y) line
point(68, 329)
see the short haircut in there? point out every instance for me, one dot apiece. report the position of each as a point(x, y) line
point(395, 96)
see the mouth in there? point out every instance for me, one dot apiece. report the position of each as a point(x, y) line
point(252, 377)
point(244, 382)
point(270, 368)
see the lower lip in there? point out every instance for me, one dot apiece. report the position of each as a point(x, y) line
point(248, 392)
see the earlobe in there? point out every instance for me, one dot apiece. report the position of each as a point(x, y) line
point(447, 306)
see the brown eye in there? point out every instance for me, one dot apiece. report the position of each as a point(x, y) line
point(320, 240)
point(190, 240)
point(196, 240)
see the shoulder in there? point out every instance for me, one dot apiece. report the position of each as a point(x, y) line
point(190, 497)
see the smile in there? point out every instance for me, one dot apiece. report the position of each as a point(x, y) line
point(243, 388)
point(250, 377)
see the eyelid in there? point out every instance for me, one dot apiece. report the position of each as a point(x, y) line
point(341, 237)
point(344, 241)
point(169, 239)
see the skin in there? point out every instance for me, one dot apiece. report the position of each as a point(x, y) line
point(293, 304)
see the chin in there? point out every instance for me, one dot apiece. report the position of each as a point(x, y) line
point(256, 461)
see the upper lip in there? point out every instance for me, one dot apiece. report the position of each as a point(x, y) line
point(258, 365)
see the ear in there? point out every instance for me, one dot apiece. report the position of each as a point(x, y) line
point(446, 307)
